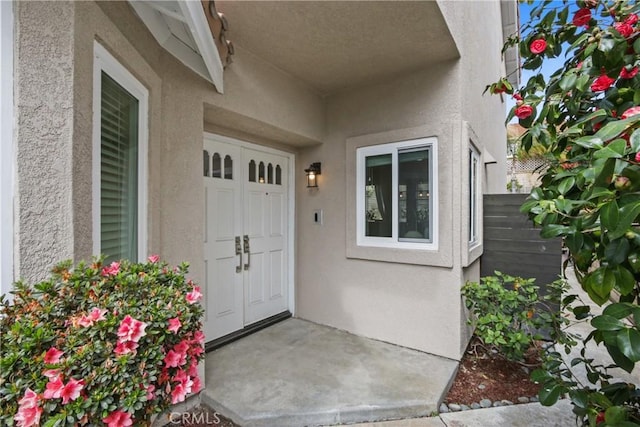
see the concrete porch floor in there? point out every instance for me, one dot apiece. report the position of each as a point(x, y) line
point(297, 373)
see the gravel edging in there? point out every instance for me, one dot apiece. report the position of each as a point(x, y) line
point(484, 403)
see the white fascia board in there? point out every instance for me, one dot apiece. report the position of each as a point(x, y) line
point(197, 21)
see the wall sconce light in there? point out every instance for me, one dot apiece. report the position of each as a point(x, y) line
point(314, 169)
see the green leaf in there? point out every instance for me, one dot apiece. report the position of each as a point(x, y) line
point(617, 250)
point(620, 359)
point(609, 214)
point(624, 219)
point(606, 323)
point(634, 140)
point(550, 231)
point(549, 394)
point(580, 398)
point(614, 415)
point(581, 312)
point(566, 184)
point(568, 82)
point(624, 280)
point(590, 141)
point(628, 340)
point(612, 129)
point(618, 310)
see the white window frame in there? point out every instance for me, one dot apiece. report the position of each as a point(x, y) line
point(7, 150)
point(474, 194)
point(393, 148)
point(104, 61)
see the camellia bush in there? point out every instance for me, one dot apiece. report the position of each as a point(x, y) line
point(99, 345)
point(587, 116)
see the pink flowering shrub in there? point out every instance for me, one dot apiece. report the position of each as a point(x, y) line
point(100, 345)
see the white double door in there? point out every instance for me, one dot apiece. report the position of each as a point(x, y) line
point(245, 236)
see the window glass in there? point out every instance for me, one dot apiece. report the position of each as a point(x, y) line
point(473, 196)
point(413, 194)
point(228, 167)
point(118, 172)
point(378, 206)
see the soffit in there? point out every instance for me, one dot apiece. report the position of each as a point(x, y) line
point(333, 45)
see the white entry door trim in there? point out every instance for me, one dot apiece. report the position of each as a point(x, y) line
point(290, 177)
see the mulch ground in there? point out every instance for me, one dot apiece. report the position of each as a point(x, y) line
point(485, 375)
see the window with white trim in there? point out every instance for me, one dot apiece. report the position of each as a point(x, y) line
point(397, 194)
point(119, 160)
point(474, 194)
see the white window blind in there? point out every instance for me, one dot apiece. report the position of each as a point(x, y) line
point(118, 171)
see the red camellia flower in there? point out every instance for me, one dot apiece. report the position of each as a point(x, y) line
point(638, 157)
point(624, 29)
point(603, 82)
point(582, 18)
point(630, 112)
point(631, 19)
point(628, 74)
point(538, 46)
point(524, 111)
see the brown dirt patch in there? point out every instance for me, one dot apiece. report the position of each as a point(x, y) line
point(485, 375)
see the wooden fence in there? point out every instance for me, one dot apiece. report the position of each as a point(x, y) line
point(513, 246)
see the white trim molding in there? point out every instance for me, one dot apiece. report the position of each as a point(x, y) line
point(7, 148)
point(104, 61)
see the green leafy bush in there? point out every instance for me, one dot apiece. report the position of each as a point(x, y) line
point(587, 116)
point(99, 345)
point(508, 313)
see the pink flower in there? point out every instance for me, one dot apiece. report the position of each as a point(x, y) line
point(194, 296)
point(524, 111)
point(199, 337)
point(624, 29)
point(582, 18)
point(54, 388)
point(118, 419)
point(602, 83)
point(125, 347)
point(638, 157)
point(131, 329)
point(71, 390)
point(52, 356)
point(538, 46)
point(173, 359)
point(97, 314)
point(85, 321)
point(174, 325)
point(153, 258)
point(28, 412)
point(150, 392)
point(628, 74)
point(517, 96)
point(197, 385)
point(51, 373)
point(112, 269)
point(182, 347)
point(630, 112)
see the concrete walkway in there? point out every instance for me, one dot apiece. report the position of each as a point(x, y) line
point(298, 373)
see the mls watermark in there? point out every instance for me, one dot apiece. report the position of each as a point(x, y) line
point(194, 418)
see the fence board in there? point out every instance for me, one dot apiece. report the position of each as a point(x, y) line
point(513, 246)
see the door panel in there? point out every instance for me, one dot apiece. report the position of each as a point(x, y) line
point(224, 312)
point(265, 222)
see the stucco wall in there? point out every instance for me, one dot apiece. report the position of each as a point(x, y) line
point(411, 305)
point(44, 136)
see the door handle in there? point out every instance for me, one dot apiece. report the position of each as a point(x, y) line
point(247, 251)
point(239, 252)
